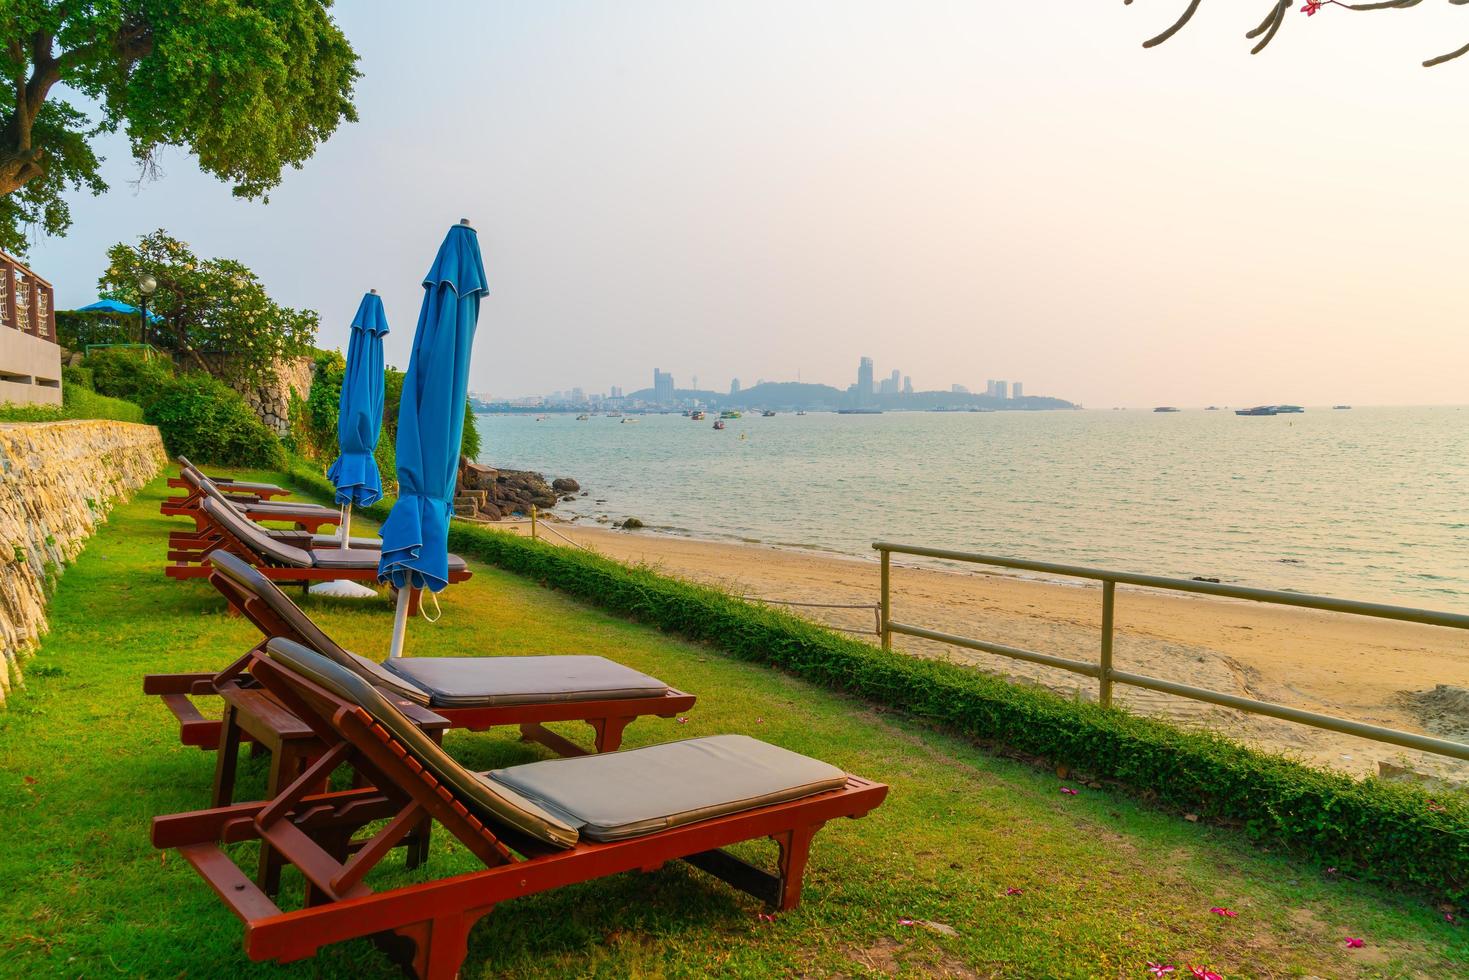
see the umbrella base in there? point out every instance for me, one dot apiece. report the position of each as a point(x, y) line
point(343, 589)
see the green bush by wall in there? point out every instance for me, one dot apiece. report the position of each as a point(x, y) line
point(206, 420)
point(1389, 832)
point(127, 374)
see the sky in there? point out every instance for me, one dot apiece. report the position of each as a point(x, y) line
point(962, 191)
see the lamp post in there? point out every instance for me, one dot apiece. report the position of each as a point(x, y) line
point(146, 286)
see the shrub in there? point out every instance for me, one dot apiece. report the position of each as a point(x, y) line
point(127, 374)
point(77, 402)
point(77, 377)
point(1376, 830)
point(206, 420)
point(75, 329)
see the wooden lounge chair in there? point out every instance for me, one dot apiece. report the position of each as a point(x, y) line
point(262, 491)
point(279, 560)
point(306, 516)
point(534, 827)
point(474, 693)
point(207, 532)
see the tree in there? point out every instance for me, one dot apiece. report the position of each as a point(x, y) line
point(1278, 10)
point(249, 86)
point(216, 315)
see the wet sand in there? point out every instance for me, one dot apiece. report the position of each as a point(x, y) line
point(1370, 670)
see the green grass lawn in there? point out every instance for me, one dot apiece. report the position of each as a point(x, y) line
point(1104, 882)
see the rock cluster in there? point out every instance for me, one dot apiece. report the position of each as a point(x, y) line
point(272, 402)
point(487, 493)
point(57, 481)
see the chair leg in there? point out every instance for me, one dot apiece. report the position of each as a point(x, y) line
point(609, 732)
point(795, 848)
point(284, 767)
point(227, 759)
point(441, 943)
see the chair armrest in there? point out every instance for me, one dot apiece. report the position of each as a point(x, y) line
point(421, 716)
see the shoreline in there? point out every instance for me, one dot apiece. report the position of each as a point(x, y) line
point(1382, 672)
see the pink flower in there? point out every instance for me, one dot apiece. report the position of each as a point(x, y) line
point(1353, 943)
point(683, 721)
point(907, 922)
point(1161, 969)
point(1331, 871)
point(1204, 973)
point(764, 917)
point(1449, 918)
point(1226, 913)
point(1068, 790)
point(1311, 7)
point(1012, 891)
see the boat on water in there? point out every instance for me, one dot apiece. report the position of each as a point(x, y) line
point(730, 414)
point(582, 418)
point(1211, 408)
point(696, 416)
point(614, 415)
point(634, 421)
point(1258, 410)
point(719, 423)
point(540, 418)
point(1341, 408)
point(767, 414)
point(1165, 408)
point(1289, 409)
point(859, 411)
point(801, 412)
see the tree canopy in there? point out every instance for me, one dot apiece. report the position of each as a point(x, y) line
point(1264, 32)
point(216, 314)
point(248, 86)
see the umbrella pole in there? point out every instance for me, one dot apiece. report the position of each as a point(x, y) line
point(346, 524)
point(400, 621)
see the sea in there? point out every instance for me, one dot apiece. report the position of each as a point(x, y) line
point(1367, 503)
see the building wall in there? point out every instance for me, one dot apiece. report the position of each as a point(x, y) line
point(30, 369)
point(58, 480)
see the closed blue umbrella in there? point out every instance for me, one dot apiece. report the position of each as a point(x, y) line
point(431, 423)
point(360, 413)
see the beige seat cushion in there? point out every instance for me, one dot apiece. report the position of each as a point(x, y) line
point(462, 682)
point(618, 795)
point(495, 805)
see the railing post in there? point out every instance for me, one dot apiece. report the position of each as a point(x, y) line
point(886, 606)
point(1109, 599)
point(532, 522)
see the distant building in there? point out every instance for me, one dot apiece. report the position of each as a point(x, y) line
point(734, 387)
point(907, 385)
point(578, 395)
point(695, 385)
point(888, 386)
point(1002, 389)
point(864, 379)
point(1017, 390)
point(958, 389)
point(662, 387)
point(897, 379)
point(30, 360)
point(614, 392)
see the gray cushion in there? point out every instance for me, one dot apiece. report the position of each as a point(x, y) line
point(496, 805)
point(323, 540)
point(456, 682)
point(619, 795)
point(255, 537)
point(286, 511)
point(353, 558)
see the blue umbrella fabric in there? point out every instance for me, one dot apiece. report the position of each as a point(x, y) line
point(360, 413)
point(431, 416)
point(116, 306)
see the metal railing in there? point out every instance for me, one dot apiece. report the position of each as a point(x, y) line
point(1107, 675)
point(875, 609)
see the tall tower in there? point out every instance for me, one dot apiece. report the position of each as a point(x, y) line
point(864, 377)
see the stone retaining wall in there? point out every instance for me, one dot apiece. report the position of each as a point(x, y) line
point(57, 481)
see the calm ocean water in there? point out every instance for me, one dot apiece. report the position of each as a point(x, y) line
point(1371, 503)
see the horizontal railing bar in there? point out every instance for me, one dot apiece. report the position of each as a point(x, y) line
point(1044, 659)
point(1424, 743)
point(823, 605)
point(1301, 599)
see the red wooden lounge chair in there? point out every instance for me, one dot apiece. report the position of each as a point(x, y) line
point(207, 532)
point(263, 491)
point(309, 517)
point(534, 827)
point(280, 560)
point(474, 693)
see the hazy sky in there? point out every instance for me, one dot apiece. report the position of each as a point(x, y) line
point(961, 190)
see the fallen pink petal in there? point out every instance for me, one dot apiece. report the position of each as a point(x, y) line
point(683, 721)
point(764, 917)
point(1012, 891)
point(1161, 969)
point(1068, 790)
point(1204, 973)
point(907, 922)
point(1353, 943)
point(1226, 913)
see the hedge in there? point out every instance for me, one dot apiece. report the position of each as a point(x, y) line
point(77, 403)
point(1388, 832)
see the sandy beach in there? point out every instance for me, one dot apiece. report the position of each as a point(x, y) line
point(1376, 671)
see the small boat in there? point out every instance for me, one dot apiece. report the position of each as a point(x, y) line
point(1258, 410)
point(540, 418)
point(1211, 408)
point(801, 412)
point(719, 423)
point(767, 414)
point(1341, 408)
point(581, 418)
point(1289, 409)
point(614, 415)
point(626, 420)
point(730, 414)
point(1165, 408)
point(697, 416)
